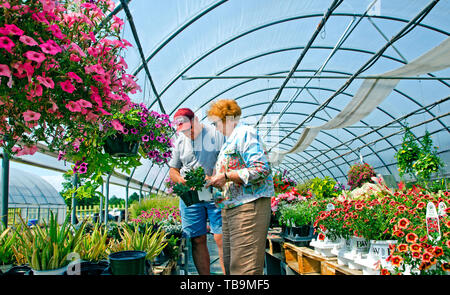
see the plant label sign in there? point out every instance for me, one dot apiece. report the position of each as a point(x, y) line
point(433, 230)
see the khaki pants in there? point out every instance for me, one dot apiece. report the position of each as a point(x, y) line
point(244, 231)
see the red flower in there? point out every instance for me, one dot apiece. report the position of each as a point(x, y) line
point(438, 251)
point(416, 255)
point(385, 272)
point(403, 223)
point(321, 237)
point(411, 237)
point(399, 233)
point(415, 248)
point(426, 257)
point(446, 266)
point(396, 261)
point(402, 247)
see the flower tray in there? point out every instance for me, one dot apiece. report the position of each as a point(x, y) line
point(325, 248)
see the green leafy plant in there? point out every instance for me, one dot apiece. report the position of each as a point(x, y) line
point(297, 214)
point(428, 161)
point(94, 245)
point(323, 188)
point(48, 247)
point(152, 242)
point(407, 154)
point(195, 181)
point(7, 240)
point(359, 174)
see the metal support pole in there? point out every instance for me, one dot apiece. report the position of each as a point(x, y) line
point(74, 200)
point(100, 209)
point(107, 197)
point(126, 194)
point(5, 189)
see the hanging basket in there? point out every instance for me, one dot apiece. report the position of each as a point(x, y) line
point(117, 147)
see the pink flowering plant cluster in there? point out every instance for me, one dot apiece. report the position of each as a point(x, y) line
point(167, 218)
point(57, 77)
point(360, 174)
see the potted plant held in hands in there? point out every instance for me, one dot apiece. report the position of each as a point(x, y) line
point(195, 182)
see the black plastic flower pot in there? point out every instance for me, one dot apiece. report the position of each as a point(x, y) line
point(190, 198)
point(116, 146)
point(302, 231)
point(93, 268)
point(127, 263)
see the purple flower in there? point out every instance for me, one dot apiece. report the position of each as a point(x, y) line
point(145, 138)
point(152, 136)
point(125, 131)
point(134, 131)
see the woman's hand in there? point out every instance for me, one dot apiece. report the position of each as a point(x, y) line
point(217, 180)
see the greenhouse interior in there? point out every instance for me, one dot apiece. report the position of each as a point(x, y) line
point(225, 137)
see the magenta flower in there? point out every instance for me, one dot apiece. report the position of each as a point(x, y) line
point(46, 81)
point(84, 103)
point(6, 44)
point(50, 47)
point(13, 30)
point(5, 71)
point(75, 77)
point(116, 125)
point(67, 86)
point(73, 107)
point(31, 116)
point(35, 56)
point(145, 138)
point(28, 40)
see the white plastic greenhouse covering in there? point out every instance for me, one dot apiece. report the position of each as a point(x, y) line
point(34, 197)
point(292, 65)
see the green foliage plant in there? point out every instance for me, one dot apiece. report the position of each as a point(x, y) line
point(195, 181)
point(7, 240)
point(48, 247)
point(323, 188)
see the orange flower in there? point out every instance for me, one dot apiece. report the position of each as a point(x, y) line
point(416, 255)
point(399, 233)
point(426, 257)
point(402, 247)
point(321, 237)
point(411, 237)
point(446, 266)
point(438, 251)
point(403, 223)
point(415, 248)
point(396, 261)
point(385, 272)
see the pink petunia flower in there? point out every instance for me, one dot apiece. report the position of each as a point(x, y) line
point(77, 49)
point(46, 81)
point(13, 30)
point(28, 151)
point(50, 47)
point(67, 86)
point(35, 56)
point(31, 116)
point(6, 44)
point(28, 40)
point(56, 31)
point(84, 103)
point(116, 125)
point(75, 77)
point(74, 57)
point(5, 71)
point(73, 107)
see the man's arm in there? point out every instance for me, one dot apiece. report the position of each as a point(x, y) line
point(175, 175)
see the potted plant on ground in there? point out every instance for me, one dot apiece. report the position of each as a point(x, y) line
point(137, 246)
point(93, 249)
point(7, 240)
point(48, 249)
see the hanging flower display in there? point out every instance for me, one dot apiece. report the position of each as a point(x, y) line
point(57, 77)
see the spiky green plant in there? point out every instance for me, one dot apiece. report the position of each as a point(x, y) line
point(48, 247)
